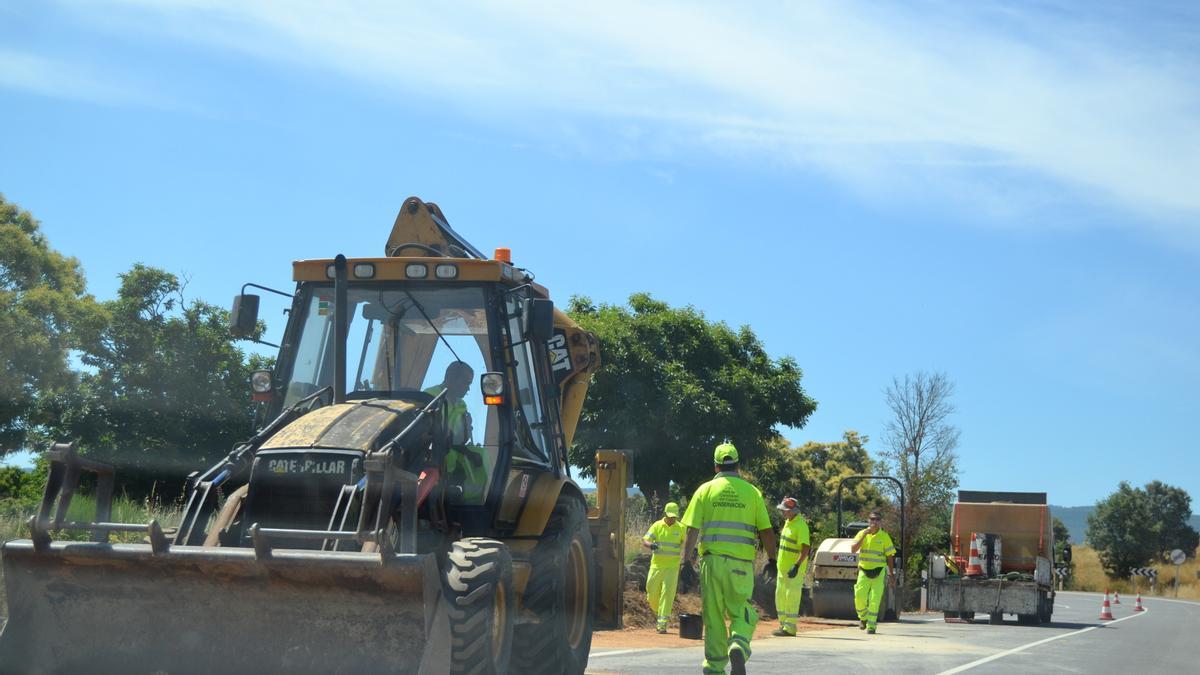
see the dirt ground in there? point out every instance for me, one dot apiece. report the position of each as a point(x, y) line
point(639, 626)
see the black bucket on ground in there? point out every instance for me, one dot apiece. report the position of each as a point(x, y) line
point(691, 626)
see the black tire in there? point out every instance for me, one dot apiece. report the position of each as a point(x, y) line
point(1028, 619)
point(481, 606)
point(995, 618)
point(950, 615)
point(561, 594)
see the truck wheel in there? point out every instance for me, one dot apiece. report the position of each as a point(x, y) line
point(481, 605)
point(561, 593)
point(949, 615)
point(1028, 619)
point(996, 618)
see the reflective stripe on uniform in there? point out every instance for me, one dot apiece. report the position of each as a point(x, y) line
point(666, 553)
point(787, 539)
point(729, 525)
point(729, 538)
point(788, 548)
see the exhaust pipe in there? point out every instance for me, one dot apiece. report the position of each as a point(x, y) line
point(340, 328)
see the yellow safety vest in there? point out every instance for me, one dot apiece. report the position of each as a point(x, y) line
point(729, 512)
point(670, 543)
point(875, 549)
point(467, 463)
point(792, 538)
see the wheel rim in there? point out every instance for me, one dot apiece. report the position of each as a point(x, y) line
point(499, 618)
point(576, 592)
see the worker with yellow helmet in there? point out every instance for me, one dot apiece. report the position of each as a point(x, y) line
point(665, 541)
point(727, 515)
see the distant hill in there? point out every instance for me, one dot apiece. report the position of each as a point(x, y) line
point(1075, 518)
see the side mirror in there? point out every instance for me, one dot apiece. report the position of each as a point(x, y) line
point(244, 317)
point(539, 319)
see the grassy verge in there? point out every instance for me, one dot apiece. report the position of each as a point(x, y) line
point(14, 515)
point(1090, 576)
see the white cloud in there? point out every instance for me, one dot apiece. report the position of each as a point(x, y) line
point(887, 99)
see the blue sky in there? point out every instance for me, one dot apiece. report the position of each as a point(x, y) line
point(1005, 192)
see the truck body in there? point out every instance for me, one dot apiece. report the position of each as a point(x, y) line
point(1017, 580)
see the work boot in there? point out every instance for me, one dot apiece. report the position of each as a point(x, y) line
point(862, 624)
point(661, 631)
point(870, 631)
point(737, 662)
point(782, 632)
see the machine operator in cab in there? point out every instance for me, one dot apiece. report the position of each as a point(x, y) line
point(728, 516)
point(466, 463)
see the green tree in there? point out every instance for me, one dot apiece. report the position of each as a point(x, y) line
point(1170, 510)
point(167, 388)
point(44, 313)
point(674, 385)
point(1121, 530)
point(811, 474)
point(919, 450)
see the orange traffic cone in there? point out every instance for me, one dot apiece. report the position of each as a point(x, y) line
point(1116, 597)
point(1105, 609)
point(1137, 604)
point(974, 569)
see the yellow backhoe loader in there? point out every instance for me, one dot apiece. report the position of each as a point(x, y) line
point(383, 518)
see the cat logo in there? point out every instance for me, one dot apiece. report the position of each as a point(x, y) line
point(560, 358)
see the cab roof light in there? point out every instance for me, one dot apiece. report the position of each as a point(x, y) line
point(364, 270)
point(445, 271)
point(416, 270)
point(504, 254)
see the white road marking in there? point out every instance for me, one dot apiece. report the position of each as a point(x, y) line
point(619, 652)
point(993, 657)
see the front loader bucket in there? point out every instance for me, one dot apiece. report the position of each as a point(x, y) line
point(89, 607)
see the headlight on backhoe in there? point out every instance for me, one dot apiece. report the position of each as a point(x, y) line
point(492, 386)
point(260, 384)
point(260, 381)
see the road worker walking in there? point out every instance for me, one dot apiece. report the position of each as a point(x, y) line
point(875, 559)
point(665, 541)
point(794, 548)
point(727, 514)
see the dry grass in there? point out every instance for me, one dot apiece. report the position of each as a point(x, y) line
point(1089, 576)
point(13, 520)
point(637, 521)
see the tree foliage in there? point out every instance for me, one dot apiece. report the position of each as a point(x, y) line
point(919, 450)
point(45, 312)
point(1121, 530)
point(674, 385)
point(1062, 540)
point(811, 473)
point(1134, 526)
point(166, 392)
point(1170, 510)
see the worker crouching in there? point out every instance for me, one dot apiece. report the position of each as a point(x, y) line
point(665, 541)
point(876, 555)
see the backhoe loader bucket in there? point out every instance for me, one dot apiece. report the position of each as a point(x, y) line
point(92, 607)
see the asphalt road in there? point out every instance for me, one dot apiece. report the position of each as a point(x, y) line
point(1161, 639)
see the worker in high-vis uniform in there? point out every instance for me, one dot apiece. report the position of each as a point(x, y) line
point(727, 515)
point(876, 554)
point(665, 541)
point(794, 548)
point(466, 463)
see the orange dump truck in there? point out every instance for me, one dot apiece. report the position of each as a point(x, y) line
point(1001, 561)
